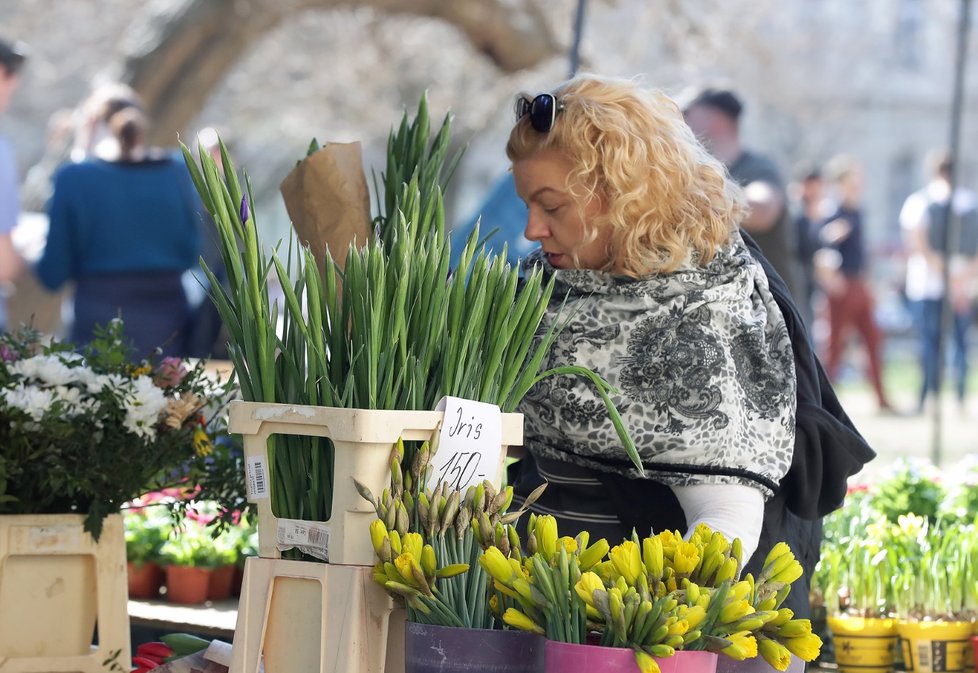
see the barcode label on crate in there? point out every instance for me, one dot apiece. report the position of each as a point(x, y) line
point(257, 477)
point(308, 537)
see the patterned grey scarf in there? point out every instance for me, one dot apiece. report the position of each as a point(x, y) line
point(703, 363)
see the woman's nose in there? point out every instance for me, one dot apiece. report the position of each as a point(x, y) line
point(536, 229)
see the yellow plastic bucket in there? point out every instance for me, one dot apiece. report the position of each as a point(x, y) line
point(934, 647)
point(864, 645)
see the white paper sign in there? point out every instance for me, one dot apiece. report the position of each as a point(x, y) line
point(306, 536)
point(471, 443)
point(257, 478)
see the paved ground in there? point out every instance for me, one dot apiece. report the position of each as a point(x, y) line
point(912, 435)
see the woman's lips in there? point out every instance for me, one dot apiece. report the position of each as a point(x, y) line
point(555, 258)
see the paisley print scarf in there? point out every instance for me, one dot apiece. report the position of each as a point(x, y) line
point(702, 361)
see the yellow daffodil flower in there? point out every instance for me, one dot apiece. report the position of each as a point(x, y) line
point(774, 653)
point(627, 561)
point(686, 558)
point(805, 647)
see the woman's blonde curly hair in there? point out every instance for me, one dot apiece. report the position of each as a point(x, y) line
point(668, 202)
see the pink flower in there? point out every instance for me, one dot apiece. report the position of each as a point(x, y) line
point(7, 353)
point(170, 373)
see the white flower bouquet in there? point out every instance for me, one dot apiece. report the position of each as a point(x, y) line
point(85, 432)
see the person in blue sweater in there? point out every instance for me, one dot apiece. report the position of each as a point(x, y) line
point(125, 230)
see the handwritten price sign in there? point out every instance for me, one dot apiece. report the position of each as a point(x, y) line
point(471, 439)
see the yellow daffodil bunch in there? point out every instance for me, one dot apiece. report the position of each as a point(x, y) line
point(782, 636)
point(629, 616)
point(408, 568)
point(438, 572)
point(538, 593)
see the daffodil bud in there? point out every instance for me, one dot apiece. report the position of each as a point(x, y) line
point(428, 562)
point(514, 540)
point(795, 628)
point(518, 620)
point(646, 663)
point(587, 585)
point(378, 533)
point(401, 521)
point(594, 554)
point(652, 556)
point(497, 566)
point(774, 653)
point(452, 570)
point(412, 543)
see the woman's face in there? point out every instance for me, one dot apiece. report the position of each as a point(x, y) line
point(555, 218)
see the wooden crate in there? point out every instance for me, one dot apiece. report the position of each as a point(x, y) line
point(363, 441)
point(56, 584)
point(305, 617)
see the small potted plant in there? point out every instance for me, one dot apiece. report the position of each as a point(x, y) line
point(189, 557)
point(935, 589)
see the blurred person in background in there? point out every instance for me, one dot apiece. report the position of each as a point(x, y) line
point(850, 300)
point(714, 116)
point(93, 135)
point(12, 57)
point(124, 230)
point(924, 221)
point(808, 195)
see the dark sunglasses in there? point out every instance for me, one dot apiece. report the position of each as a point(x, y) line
point(542, 110)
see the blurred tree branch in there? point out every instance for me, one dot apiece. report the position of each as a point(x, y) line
point(181, 54)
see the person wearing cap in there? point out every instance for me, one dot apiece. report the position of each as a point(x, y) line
point(714, 116)
point(12, 57)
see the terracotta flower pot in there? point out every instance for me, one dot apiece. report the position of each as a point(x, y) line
point(187, 584)
point(219, 588)
point(237, 581)
point(145, 580)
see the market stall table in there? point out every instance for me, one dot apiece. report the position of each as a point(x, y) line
point(214, 619)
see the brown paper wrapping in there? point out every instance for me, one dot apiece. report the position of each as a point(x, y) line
point(328, 202)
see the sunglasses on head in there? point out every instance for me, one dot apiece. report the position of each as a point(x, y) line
point(542, 110)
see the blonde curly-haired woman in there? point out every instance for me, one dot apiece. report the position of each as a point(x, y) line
point(639, 228)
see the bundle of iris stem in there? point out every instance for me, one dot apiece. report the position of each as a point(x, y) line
point(393, 330)
point(654, 596)
point(428, 541)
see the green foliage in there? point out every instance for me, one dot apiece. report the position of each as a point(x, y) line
point(910, 490)
point(392, 330)
point(85, 432)
point(146, 530)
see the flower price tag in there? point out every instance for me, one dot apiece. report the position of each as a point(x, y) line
point(471, 443)
point(308, 537)
point(257, 478)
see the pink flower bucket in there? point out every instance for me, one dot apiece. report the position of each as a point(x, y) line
point(569, 658)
